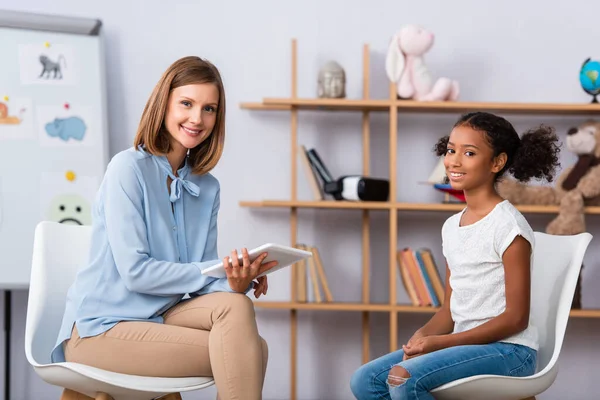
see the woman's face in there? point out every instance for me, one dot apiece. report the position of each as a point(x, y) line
point(191, 114)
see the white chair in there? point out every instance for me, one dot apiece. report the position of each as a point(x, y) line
point(556, 266)
point(58, 252)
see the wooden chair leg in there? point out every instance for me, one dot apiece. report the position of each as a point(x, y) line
point(171, 396)
point(103, 396)
point(69, 394)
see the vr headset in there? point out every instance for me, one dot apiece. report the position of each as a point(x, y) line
point(349, 187)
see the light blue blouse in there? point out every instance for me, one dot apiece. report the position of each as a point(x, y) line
point(145, 256)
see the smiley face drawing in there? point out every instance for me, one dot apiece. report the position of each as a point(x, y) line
point(70, 209)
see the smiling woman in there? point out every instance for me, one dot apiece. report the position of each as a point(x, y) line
point(190, 95)
point(191, 115)
point(154, 231)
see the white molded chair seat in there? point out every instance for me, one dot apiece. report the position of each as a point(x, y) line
point(556, 265)
point(58, 251)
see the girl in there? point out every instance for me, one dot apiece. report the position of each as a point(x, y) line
point(483, 325)
point(154, 229)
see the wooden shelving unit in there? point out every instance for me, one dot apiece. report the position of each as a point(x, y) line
point(399, 308)
point(421, 107)
point(393, 107)
point(529, 209)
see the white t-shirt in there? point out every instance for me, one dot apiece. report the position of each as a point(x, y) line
point(474, 255)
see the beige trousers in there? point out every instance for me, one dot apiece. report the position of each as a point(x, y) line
point(210, 335)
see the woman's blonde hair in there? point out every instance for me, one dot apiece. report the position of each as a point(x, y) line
point(152, 134)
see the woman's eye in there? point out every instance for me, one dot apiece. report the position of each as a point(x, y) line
point(470, 153)
point(186, 103)
point(449, 151)
point(209, 108)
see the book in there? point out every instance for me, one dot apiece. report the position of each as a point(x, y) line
point(311, 174)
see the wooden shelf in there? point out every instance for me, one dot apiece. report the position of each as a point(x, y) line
point(373, 205)
point(332, 104)
point(511, 108)
point(381, 205)
point(323, 306)
point(261, 106)
point(528, 209)
point(584, 313)
point(422, 106)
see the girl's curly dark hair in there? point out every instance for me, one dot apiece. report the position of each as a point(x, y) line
point(535, 155)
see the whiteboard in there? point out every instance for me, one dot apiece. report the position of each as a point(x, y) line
point(53, 130)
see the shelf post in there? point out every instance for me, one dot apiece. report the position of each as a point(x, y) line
point(393, 244)
point(366, 240)
point(293, 221)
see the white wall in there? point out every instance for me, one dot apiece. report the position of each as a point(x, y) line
point(506, 51)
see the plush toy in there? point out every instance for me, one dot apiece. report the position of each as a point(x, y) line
point(576, 187)
point(406, 67)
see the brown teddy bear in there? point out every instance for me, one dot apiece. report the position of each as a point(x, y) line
point(576, 187)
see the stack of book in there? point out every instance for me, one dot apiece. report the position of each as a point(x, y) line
point(311, 271)
point(420, 277)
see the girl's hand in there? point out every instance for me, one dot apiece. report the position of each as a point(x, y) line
point(418, 334)
point(424, 345)
point(240, 276)
point(261, 287)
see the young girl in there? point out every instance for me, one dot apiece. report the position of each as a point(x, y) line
point(483, 326)
point(154, 229)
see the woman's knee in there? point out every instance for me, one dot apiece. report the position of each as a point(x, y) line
point(265, 347)
point(237, 304)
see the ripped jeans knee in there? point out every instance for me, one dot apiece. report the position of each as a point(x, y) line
point(397, 377)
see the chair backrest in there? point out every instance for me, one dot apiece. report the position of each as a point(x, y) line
point(556, 265)
point(59, 250)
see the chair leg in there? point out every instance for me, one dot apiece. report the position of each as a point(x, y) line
point(171, 396)
point(103, 396)
point(69, 394)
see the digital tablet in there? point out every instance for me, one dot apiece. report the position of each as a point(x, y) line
point(284, 255)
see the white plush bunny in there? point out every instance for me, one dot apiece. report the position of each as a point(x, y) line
point(404, 65)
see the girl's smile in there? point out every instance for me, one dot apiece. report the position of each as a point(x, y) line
point(469, 159)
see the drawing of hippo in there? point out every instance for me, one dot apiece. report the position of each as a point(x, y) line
point(65, 128)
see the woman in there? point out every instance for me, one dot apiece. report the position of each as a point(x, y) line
point(154, 230)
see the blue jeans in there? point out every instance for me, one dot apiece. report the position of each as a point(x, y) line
point(438, 368)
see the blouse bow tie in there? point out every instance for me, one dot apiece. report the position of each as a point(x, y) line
point(176, 185)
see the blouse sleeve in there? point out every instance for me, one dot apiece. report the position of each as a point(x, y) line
point(211, 253)
point(126, 229)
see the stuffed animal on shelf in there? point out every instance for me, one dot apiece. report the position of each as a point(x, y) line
point(576, 187)
point(405, 66)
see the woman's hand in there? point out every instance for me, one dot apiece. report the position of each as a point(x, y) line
point(261, 287)
point(240, 276)
point(424, 345)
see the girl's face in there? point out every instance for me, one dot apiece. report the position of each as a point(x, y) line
point(191, 115)
point(469, 160)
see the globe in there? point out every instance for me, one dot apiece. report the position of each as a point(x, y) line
point(589, 78)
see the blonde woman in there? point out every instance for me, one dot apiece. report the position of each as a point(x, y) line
point(154, 230)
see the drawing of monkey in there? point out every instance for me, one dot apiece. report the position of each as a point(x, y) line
point(52, 66)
